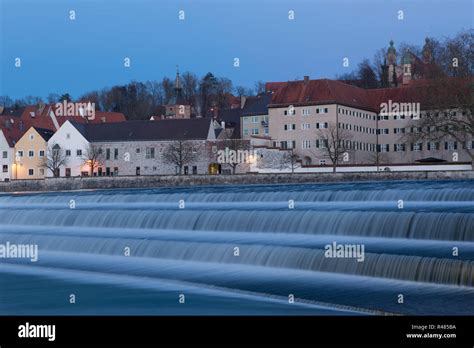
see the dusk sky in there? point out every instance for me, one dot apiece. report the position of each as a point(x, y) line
point(59, 55)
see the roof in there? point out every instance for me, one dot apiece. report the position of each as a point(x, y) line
point(16, 123)
point(12, 135)
point(321, 92)
point(315, 92)
point(46, 134)
point(257, 105)
point(15, 111)
point(274, 86)
point(172, 129)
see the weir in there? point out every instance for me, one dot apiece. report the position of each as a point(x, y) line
point(425, 249)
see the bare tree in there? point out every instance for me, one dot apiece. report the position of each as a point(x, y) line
point(231, 151)
point(290, 160)
point(451, 115)
point(333, 143)
point(180, 153)
point(93, 157)
point(190, 84)
point(55, 159)
point(259, 87)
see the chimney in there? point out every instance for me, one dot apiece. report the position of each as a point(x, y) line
point(306, 79)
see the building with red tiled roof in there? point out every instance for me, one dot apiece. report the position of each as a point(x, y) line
point(15, 122)
point(301, 111)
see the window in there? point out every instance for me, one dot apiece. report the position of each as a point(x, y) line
point(150, 152)
point(20, 153)
point(115, 171)
point(68, 136)
point(322, 125)
point(31, 172)
point(5, 154)
point(254, 119)
point(326, 110)
point(255, 131)
point(384, 148)
point(107, 171)
point(321, 143)
point(107, 154)
point(246, 119)
point(398, 147)
point(79, 153)
point(137, 171)
point(322, 162)
point(41, 171)
point(451, 145)
point(246, 131)
point(68, 172)
point(137, 150)
point(306, 144)
point(186, 170)
point(41, 153)
point(433, 146)
point(5, 168)
point(68, 152)
point(305, 111)
point(417, 147)
point(195, 170)
point(115, 154)
point(32, 137)
point(305, 126)
point(31, 153)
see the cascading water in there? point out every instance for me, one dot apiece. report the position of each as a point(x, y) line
point(243, 250)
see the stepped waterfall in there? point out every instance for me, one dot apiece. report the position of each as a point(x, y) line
point(242, 250)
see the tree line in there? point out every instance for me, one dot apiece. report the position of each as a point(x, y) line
point(139, 100)
point(371, 74)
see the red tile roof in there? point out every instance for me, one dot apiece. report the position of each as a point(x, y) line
point(314, 92)
point(35, 116)
point(320, 92)
point(12, 135)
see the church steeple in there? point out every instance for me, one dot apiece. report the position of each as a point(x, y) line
point(427, 51)
point(177, 82)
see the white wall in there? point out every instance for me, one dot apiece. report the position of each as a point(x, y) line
point(4, 146)
point(74, 142)
point(355, 169)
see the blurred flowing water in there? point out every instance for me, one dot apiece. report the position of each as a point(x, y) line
point(242, 250)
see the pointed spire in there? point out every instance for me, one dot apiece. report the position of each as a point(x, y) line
point(177, 82)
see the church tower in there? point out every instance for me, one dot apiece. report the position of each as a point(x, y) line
point(392, 65)
point(178, 107)
point(407, 67)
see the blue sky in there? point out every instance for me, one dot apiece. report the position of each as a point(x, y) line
point(59, 55)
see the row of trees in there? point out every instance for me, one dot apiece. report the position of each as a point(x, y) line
point(453, 56)
point(140, 100)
